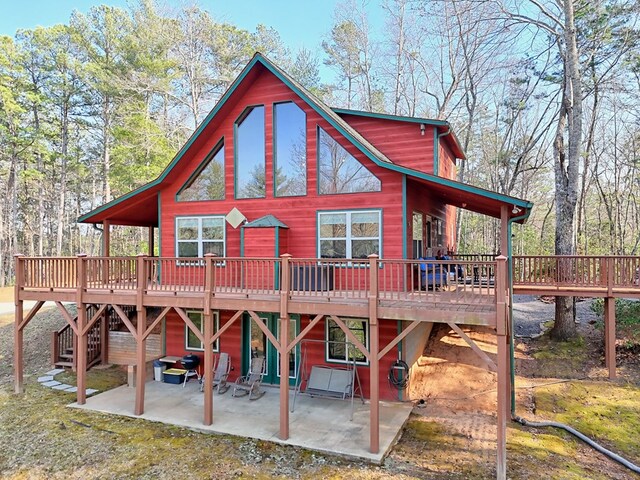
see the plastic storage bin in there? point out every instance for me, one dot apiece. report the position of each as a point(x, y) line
point(174, 375)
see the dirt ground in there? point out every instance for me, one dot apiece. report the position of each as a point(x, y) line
point(450, 435)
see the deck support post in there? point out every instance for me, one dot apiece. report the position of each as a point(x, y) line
point(80, 351)
point(104, 337)
point(208, 335)
point(106, 238)
point(18, 336)
point(151, 241)
point(374, 367)
point(610, 335)
point(502, 331)
point(285, 281)
point(141, 342)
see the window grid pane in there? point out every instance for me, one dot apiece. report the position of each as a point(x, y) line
point(250, 155)
point(290, 150)
point(209, 182)
point(198, 236)
point(361, 239)
point(339, 348)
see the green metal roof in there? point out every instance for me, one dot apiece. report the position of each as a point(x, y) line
point(266, 221)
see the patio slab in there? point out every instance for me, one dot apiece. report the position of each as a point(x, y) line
point(319, 424)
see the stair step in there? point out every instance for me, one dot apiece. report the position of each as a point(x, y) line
point(68, 356)
point(64, 364)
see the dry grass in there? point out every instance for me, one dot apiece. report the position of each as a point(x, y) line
point(6, 294)
point(40, 437)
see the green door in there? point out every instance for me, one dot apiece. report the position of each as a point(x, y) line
point(256, 344)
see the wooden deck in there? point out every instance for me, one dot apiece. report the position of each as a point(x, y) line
point(577, 276)
point(317, 286)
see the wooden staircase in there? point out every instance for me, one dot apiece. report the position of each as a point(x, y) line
point(64, 342)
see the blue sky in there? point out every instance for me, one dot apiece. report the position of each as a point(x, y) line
point(299, 22)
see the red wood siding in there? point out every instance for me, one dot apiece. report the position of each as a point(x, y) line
point(259, 242)
point(447, 162)
point(419, 199)
point(229, 342)
point(402, 142)
point(299, 213)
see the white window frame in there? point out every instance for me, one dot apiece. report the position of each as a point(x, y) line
point(216, 326)
point(201, 240)
point(346, 359)
point(349, 238)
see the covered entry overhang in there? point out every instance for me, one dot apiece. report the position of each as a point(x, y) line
point(139, 208)
point(470, 197)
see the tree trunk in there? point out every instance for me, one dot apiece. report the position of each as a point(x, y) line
point(566, 170)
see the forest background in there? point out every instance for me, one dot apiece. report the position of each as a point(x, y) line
point(93, 108)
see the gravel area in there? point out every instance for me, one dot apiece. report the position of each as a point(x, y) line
point(529, 313)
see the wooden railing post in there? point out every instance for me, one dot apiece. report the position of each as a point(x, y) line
point(374, 368)
point(141, 279)
point(502, 326)
point(285, 286)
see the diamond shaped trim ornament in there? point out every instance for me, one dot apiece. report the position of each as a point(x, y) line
point(235, 218)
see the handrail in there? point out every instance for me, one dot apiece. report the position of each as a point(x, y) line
point(462, 281)
point(582, 271)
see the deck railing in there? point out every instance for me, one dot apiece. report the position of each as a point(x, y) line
point(461, 281)
point(595, 272)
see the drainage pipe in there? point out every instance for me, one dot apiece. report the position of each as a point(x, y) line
point(584, 438)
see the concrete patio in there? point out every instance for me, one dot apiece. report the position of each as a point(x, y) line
point(319, 424)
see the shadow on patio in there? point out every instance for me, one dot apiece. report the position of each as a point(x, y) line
point(320, 424)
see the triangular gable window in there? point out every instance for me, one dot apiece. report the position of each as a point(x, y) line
point(339, 171)
point(207, 182)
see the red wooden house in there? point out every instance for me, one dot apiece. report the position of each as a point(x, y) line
point(309, 181)
point(317, 215)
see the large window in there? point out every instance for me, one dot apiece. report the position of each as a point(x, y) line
point(290, 150)
point(351, 234)
point(207, 183)
point(339, 171)
point(339, 348)
point(191, 341)
point(197, 236)
point(249, 154)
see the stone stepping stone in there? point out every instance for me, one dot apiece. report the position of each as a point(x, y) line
point(91, 391)
point(62, 386)
point(51, 383)
point(71, 389)
point(55, 371)
point(46, 378)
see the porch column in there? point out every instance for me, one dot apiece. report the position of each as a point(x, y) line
point(285, 280)
point(18, 334)
point(208, 335)
point(106, 238)
point(374, 367)
point(208, 367)
point(104, 337)
point(610, 335)
point(141, 342)
point(151, 241)
point(81, 343)
point(503, 366)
